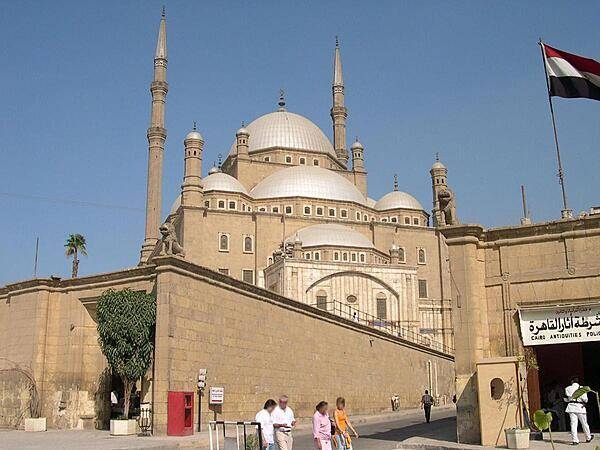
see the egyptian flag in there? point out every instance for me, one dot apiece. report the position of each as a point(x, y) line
point(571, 76)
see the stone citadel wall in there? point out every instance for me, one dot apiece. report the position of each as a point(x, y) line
point(254, 343)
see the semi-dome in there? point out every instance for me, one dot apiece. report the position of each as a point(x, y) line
point(331, 235)
point(283, 129)
point(307, 181)
point(398, 199)
point(219, 181)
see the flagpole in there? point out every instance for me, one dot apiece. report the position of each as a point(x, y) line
point(566, 213)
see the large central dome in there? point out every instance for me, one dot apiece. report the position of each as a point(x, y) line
point(307, 181)
point(283, 129)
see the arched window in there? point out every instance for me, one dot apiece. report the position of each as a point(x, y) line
point(422, 257)
point(381, 306)
point(248, 244)
point(401, 255)
point(321, 299)
point(224, 242)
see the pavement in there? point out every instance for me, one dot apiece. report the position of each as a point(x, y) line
point(562, 441)
point(399, 430)
point(384, 433)
point(101, 439)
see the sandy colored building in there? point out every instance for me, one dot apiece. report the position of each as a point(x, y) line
point(259, 265)
point(525, 295)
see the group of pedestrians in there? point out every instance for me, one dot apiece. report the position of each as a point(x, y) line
point(277, 422)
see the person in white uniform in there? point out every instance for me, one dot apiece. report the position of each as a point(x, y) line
point(284, 421)
point(577, 412)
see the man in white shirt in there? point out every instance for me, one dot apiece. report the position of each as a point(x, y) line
point(284, 421)
point(265, 418)
point(577, 412)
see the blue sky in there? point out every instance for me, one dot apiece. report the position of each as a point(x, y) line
point(460, 78)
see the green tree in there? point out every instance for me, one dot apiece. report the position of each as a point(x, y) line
point(126, 321)
point(74, 246)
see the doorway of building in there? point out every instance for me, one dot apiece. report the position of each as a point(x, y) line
point(557, 364)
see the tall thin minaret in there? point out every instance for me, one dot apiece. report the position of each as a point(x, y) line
point(157, 134)
point(338, 110)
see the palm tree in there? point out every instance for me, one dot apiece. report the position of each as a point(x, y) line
point(75, 245)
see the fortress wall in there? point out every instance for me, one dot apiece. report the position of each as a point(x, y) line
point(49, 339)
point(258, 345)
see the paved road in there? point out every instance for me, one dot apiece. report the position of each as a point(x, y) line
point(386, 435)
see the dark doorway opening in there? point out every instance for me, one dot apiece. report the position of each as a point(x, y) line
point(557, 364)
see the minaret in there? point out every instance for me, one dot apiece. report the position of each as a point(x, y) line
point(439, 182)
point(241, 142)
point(157, 134)
point(191, 189)
point(339, 111)
point(358, 156)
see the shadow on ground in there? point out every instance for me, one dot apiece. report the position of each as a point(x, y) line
point(441, 429)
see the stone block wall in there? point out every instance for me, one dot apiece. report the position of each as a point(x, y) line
point(258, 345)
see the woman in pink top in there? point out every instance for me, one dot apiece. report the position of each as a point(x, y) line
point(322, 427)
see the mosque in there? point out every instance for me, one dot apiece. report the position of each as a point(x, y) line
point(288, 210)
point(278, 253)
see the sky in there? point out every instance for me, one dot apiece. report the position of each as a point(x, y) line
point(464, 79)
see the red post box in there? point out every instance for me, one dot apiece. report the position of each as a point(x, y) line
point(180, 413)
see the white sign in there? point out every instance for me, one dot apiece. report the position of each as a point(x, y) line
point(560, 325)
point(217, 394)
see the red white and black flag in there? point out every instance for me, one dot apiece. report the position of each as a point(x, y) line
point(571, 76)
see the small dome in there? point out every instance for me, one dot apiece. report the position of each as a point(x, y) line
point(175, 206)
point(283, 129)
point(214, 169)
point(219, 181)
point(356, 145)
point(331, 235)
point(307, 181)
point(396, 200)
point(438, 165)
point(242, 132)
point(194, 135)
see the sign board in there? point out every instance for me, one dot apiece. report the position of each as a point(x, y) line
point(541, 326)
point(217, 394)
point(202, 378)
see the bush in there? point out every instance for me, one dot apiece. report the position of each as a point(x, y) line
point(126, 321)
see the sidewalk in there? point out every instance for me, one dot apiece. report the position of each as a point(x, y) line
point(100, 439)
point(562, 441)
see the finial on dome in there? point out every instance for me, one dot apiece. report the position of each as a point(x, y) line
point(213, 169)
point(337, 41)
point(243, 124)
point(194, 126)
point(220, 159)
point(437, 156)
point(395, 182)
point(281, 102)
point(164, 13)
